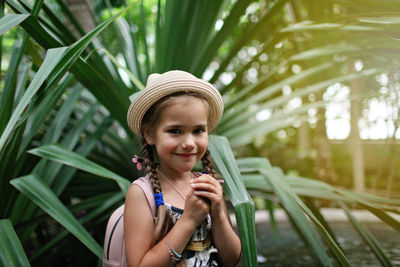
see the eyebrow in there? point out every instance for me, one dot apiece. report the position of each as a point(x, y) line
point(180, 125)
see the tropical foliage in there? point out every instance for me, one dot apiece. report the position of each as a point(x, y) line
point(65, 144)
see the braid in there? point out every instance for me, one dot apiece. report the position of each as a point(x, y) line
point(150, 166)
point(208, 164)
point(163, 221)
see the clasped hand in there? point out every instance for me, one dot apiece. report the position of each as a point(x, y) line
point(205, 197)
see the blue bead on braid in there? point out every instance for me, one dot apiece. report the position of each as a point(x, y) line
point(159, 199)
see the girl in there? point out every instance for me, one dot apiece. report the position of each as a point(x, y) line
point(174, 115)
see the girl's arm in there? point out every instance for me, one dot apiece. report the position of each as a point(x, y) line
point(222, 231)
point(138, 227)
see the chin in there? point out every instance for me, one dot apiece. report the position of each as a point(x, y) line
point(186, 168)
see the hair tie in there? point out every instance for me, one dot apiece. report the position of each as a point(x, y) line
point(159, 199)
point(138, 162)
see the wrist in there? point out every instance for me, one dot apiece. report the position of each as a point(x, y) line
point(188, 224)
point(217, 216)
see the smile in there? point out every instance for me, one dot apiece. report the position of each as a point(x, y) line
point(186, 155)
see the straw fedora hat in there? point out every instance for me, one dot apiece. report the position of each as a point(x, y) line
point(161, 85)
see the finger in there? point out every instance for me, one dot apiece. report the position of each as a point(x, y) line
point(207, 187)
point(208, 177)
point(203, 177)
point(209, 180)
point(209, 196)
point(202, 201)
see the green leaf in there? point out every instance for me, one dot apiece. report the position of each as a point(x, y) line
point(37, 191)
point(368, 237)
point(39, 114)
point(242, 105)
point(8, 158)
point(380, 20)
point(243, 130)
point(292, 207)
point(249, 33)
point(208, 51)
point(8, 91)
point(103, 203)
point(83, 150)
point(53, 57)
point(324, 51)
point(67, 157)
point(130, 51)
point(55, 65)
point(296, 208)
point(310, 26)
point(131, 76)
point(10, 21)
point(11, 251)
point(389, 220)
point(244, 207)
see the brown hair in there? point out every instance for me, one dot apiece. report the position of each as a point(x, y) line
point(163, 221)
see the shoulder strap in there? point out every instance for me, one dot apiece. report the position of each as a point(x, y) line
point(145, 184)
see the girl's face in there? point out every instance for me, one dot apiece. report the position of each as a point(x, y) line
point(180, 135)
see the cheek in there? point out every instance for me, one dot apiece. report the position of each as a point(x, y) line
point(168, 144)
point(203, 143)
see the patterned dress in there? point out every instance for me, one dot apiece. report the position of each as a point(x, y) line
point(200, 250)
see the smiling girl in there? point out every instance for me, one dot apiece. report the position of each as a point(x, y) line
point(174, 115)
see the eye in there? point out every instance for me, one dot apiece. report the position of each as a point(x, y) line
point(174, 131)
point(199, 130)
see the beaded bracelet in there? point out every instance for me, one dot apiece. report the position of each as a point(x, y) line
point(175, 256)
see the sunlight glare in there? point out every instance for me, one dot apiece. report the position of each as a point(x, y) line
point(263, 115)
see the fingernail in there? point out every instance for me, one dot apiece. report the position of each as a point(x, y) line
point(204, 172)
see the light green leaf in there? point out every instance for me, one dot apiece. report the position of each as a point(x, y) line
point(70, 158)
point(310, 26)
point(244, 207)
point(10, 21)
point(324, 51)
point(297, 209)
point(131, 76)
point(242, 103)
point(380, 20)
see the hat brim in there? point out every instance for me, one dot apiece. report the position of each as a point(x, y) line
point(150, 95)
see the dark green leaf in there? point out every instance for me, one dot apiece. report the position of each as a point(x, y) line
point(36, 190)
point(11, 251)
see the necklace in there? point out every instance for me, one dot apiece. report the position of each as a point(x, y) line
point(171, 184)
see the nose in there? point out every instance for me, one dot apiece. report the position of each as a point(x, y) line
point(188, 143)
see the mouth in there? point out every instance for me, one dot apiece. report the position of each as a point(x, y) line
point(186, 155)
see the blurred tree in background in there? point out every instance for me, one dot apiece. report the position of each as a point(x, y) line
point(306, 85)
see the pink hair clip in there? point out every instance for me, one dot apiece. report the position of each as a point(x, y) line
point(138, 162)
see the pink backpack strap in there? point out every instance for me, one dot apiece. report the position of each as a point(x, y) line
point(145, 184)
